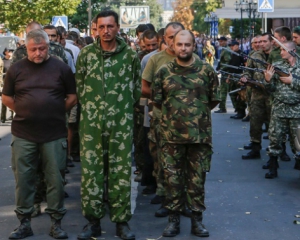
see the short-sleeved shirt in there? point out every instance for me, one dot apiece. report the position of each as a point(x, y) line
point(185, 94)
point(39, 92)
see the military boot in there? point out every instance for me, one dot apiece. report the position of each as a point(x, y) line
point(272, 168)
point(248, 146)
point(198, 228)
point(254, 153)
point(297, 163)
point(91, 230)
point(56, 231)
point(284, 157)
point(123, 231)
point(24, 230)
point(173, 227)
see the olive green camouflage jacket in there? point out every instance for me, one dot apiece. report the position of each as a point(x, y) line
point(185, 94)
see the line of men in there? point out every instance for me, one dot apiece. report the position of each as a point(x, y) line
point(271, 100)
point(183, 90)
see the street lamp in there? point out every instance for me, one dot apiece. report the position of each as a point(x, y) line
point(213, 20)
point(249, 7)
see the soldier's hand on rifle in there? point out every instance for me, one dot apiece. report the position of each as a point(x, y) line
point(287, 80)
point(269, 72)
point(243, 80)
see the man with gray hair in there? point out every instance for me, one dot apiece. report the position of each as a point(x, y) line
point(39, 130)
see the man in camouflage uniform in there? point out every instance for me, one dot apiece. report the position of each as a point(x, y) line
point(286, 105)
point(260, 99)
point(282, 34)
point(108, 86)
point(148, 76)
point(54, 48)
point(238, 104)
point(255, 47)
point(150, 39)
point(209, 52)
point(225, 57)
point(185, 90)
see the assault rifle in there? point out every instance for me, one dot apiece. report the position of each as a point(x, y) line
point(250, 82)
point(279, 71)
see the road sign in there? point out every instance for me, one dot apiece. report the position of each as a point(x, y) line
point(265, 6)
point(60, 21)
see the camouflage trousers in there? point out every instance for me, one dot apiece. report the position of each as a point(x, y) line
point(155, 151)
point(277, 133)
point(223, 94)
point(110, 167)
point(185, 167)
point(248, 95)
point(139, 139)
point(260, 110)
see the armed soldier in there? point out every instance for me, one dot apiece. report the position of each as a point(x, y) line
point(260, 99)
point(237, 102)
point(282, 34)
point(286, 106)
point(224, 58)
point(255, 47)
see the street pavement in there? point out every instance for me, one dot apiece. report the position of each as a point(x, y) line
point(241, 203)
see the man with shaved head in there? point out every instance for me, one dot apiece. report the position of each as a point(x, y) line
point(185, 89)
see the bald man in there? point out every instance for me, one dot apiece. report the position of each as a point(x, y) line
point(185, 89)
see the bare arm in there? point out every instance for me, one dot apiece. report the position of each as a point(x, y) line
point(70, 101)
point(8, 101)
point(146, 88)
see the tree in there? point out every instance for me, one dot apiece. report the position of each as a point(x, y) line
point(17, 14)
point(183, 13)
point(200, 10)
point(80, 18)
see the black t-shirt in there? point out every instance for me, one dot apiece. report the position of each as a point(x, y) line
point(39, 91)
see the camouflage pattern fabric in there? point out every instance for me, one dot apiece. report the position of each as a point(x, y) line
point(209, 53)
point(108, 87)
point(184, 166)
point(225, 57)
point(139, 138)
point(185, 94)
point(260, 107)
point(285, 114)
point(155, 151)
point(54, 50)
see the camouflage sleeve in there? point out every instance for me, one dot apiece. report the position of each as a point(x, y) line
point(226, 60)
point(80, 74)
point(63, 55)
point(137, 80)
point(58, 50)
point(214, 85)
point(19, 54)
point(157, 91)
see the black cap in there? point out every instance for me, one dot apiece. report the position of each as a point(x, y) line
point(234, 43)
point(222, 39)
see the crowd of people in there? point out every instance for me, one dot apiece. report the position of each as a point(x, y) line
point(104, 94)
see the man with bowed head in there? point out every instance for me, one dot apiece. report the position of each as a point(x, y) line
point(109, 85)
point(185, 89)
point(32, 83)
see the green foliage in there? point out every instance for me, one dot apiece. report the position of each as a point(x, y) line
point(17, 14)
point(80, 18)
point(201, 8)
point(246, 27)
